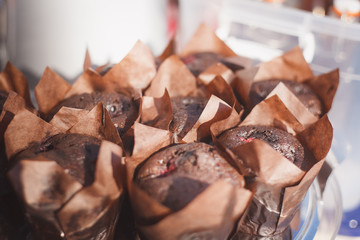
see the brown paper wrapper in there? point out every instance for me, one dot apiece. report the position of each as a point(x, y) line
point(174, 76)
point(102, 198)
point(88, 82)
point(290, 66)
point(26, 127)
point(54, 201)
point(169, 82)
point(157, 112)
point(66, 117)
point(279, 185)
point(220, 88)
point(50, 90)
point(136, 70)
point(293, 104)
point(199, 218)
point(13, 104)
point(11, 79)
point(15, 84)
point(149, 140)
point(46, 176)
point(218, 69)
point(273, 112)
point(97, 123)
point(214, 111)
point(205, 40)
point(325, 86)
point(133, 73)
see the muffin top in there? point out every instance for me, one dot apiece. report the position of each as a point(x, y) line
point(199, 62)
point(186, 111)
point(122, 109)
point(76, 153)
point(282, 141)
point(175, 175)
point(260, 90)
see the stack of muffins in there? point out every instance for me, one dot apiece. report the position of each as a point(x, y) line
point(194, 145)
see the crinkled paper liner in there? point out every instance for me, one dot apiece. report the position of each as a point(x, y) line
point(205, 40)
point(53, 200)
point(290, 66)
point(132, 74)
point(279, 185)
point(200, 218)
point(11, 79)
point(173, 79)
point(14, 82)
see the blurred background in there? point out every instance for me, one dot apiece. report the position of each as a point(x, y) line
point(39, 33)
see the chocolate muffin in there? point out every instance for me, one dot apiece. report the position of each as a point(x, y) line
point(75, 153)
point(280, 140)
point(199, 62)
point(122, 109)
point(174, 176)
point(261, 219)
point(260, 90)
point(3, 97)
point(186, 111)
